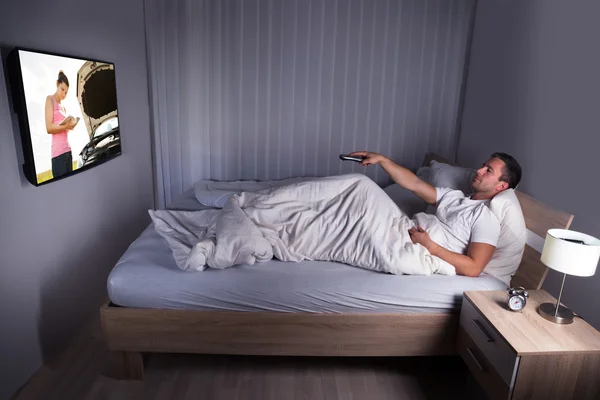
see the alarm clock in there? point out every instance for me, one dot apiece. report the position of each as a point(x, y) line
point(517, 298)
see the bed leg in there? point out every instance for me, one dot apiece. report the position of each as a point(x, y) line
point(126, 365)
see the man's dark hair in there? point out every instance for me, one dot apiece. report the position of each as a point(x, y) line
point(511, 173)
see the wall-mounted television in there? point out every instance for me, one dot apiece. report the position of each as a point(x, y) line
point(67, 111)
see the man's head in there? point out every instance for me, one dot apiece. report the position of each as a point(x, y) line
point(497, 174)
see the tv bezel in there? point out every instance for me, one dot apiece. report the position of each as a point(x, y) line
point(19, 103)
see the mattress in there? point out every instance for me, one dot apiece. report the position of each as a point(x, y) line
point(146, 276)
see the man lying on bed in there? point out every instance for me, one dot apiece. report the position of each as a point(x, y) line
point(464, 220)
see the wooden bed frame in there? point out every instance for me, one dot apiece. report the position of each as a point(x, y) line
point(129, 332)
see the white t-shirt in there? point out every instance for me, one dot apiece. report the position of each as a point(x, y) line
point(459, 220)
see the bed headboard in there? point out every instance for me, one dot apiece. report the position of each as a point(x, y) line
point(538, 218)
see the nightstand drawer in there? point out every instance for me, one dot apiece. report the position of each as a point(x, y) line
point(480, 367)
point(488, 341)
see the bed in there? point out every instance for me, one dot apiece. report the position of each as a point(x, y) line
point(302, 310)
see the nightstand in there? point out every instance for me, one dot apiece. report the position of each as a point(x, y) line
point(520, 355)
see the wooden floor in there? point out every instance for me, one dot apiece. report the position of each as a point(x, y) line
point(81, 374)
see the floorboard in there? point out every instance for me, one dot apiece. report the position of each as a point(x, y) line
point(82, 374)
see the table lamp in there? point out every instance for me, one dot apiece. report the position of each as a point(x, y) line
point(571, 253)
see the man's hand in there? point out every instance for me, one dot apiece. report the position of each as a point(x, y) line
point(369, 157)
point(420, 236)
point(471, 264)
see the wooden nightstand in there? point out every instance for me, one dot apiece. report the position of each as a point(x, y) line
point(520, 355)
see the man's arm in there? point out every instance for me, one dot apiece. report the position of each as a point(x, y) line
point(472, 264)
point(402, 176)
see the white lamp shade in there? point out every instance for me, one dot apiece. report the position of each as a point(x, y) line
point(579, 259)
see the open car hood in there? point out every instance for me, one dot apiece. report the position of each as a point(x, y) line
point(96, 94)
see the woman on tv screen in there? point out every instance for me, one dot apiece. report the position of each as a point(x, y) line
point(58, 125)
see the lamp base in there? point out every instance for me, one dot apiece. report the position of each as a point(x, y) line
point(548, 311)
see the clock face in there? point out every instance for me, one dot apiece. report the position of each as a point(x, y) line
point(516, 303)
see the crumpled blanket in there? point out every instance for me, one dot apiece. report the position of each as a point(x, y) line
point(346, 218)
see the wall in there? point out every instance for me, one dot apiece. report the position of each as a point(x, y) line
point(259, 89)
point(532, 91)
point(59, 241)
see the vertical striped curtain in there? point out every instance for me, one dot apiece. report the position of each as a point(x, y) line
point(271, 89)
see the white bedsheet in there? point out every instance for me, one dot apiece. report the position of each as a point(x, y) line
point(146, 276)
point(346, 218)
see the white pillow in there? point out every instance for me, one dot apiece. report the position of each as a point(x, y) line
point(505, 206)
point(513, 236)
point(216, 193)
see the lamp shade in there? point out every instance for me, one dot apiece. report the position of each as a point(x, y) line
point(570, 252)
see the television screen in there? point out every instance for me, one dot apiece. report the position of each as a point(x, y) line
point(67, 111)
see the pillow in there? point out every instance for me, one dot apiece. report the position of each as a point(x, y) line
point(513, 236)
point(444, 175)
point(505, 206)
point(448, 176)
point(406, 200)
point(216, 193)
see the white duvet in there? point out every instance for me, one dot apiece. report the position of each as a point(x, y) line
point(346, 218)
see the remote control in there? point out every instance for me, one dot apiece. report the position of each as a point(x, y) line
point(346, 157)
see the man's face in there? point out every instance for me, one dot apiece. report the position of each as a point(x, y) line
point(487, 178)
